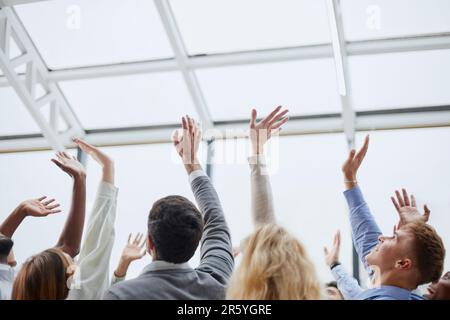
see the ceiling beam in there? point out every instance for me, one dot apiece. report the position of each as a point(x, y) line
point(58, 111)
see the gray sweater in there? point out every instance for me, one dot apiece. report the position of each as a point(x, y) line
point(162, 280)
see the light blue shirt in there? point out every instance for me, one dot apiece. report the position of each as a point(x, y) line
point(6, 281)
point(365, 233)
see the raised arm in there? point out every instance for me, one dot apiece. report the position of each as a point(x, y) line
point(93, 263)
point(347, 285)
point(40, 207)
point(261, 191)
point(216, 250)
point(134, 250)
point(70, 238)
point(365, 231)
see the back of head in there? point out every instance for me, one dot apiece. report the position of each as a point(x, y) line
point(429, 251)
point(42, 277)
point(6, 245)
point(274, 266)
point(175, 227)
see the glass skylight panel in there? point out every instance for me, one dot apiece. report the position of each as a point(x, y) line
point(14, 117)
point(127, 101)
point(372, 19)
point(72, 33)
point(400, 80)
point(306, 87)
point(214, 26)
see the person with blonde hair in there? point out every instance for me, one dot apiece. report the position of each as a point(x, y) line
point(275, 265)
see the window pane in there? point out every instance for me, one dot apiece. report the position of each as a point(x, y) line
point(71, 33)
point(212, 26)
point(397, 80)
point(30, 175)
point(129, 100)
point(305, 87)
point(421, 168)
point(14, 117)
point(371, 19)
point(307, 192)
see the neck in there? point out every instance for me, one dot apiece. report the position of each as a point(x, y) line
point(389, 279)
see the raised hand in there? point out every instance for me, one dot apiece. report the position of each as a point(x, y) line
point(69, 165)
point(353, 162)
point(407, 209)
point(135, 249)
point(105, 161)
point(261, 132)
point(188, 144)
point(40, 207)
point(332, 257)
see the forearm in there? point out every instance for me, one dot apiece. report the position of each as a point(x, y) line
point(12, 222)
point(70, 238)
point(261, 192)
point(365, 231)
point(347, 285)
point(122, 268)
point(108, 173)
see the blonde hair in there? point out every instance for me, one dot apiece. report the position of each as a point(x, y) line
point(274, 266)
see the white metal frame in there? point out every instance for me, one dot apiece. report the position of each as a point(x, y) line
point(36, 75)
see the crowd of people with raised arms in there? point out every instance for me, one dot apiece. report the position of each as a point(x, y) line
point(274, 264)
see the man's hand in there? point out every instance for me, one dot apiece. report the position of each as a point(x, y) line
point(261, 132)
point(40, 207)
point(351, 165)
point(187, 145)
point(69, 165)
point(134, 250)
point(101, 158)
point(332, 257)
point(407, 209)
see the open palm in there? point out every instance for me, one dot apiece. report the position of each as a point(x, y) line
point(135, 248)
point(68, 164)
point(407, 209)
point(40, 207)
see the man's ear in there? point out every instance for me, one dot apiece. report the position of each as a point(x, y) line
point(404, 264)
point(150, 245)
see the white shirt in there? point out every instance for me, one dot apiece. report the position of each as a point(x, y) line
point(6, 281)
point(91, 279)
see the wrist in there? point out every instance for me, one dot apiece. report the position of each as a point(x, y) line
point(80, 176)
point(122, 268)
point(334, 264)
point(22, 210)
point(193, 167)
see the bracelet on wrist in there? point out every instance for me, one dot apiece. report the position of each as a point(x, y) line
point(334, 264)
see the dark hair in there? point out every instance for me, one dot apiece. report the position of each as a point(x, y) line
point(6, 245)
point(175, 226)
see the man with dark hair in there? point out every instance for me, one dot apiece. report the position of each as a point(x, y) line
point(397, 264)
point(175, 228)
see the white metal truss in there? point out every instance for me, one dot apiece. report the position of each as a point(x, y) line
point(181, 56)
point(341, 63)
point(367, 47)
point(50, 109)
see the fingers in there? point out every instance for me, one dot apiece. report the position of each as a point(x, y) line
point(280, 123)
point(41, 198)
point(351, 156)
point(405, 197)
point(59, 164)
point(399, 198)
point(176, 138)
point(325, 251)
point(57, 205)
point(129, 238)
point(253, 118)
point(277, 118)
point(137, 240)
point(427, 213)
point(46, 203)
point(271, 115)
point(413, 201)
point(397, 207)
point(338, 238)
point(362, 152)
